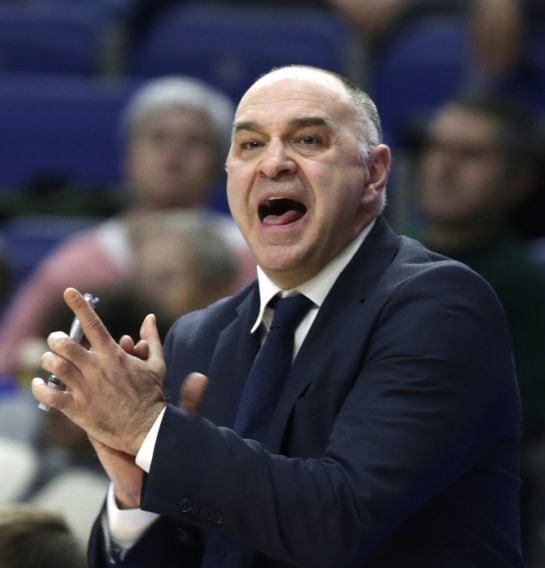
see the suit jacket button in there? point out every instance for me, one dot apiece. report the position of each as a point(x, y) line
point(186, 505)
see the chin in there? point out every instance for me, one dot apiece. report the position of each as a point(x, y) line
point(286, 270)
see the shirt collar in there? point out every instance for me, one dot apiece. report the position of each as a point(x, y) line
point(317, 288)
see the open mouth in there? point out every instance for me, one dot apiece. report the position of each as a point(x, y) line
point(281, 211)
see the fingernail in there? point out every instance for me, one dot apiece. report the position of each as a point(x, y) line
point(71, 294)
point(37, 381)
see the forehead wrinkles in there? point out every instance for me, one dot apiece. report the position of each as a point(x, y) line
point(282, 103)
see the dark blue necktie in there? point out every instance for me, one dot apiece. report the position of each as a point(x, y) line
point(258, 401)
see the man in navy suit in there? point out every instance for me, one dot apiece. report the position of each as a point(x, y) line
point(394, 441)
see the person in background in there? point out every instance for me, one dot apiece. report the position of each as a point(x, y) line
point(176, 131)
point(32, 538)
point(379, 423)
point(478, 165)
point(497, 27)
point(180, 264)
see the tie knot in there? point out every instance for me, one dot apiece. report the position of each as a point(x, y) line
point(288, 312)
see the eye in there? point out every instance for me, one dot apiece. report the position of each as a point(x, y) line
point(250, 145)
point(310, 140)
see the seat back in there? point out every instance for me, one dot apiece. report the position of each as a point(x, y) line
point(61, 38)
point(424, 65)
point(60, 126)
point(229, 46)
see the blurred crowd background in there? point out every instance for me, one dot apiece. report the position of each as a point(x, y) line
point(115, 118)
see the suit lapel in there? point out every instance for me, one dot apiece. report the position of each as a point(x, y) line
point(233, 356)
point(338, 319)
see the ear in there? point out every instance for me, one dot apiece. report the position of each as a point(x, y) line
point(378, 163)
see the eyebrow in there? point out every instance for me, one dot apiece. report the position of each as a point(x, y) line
point(299, 122)
point(246, 125)
point(309, 121)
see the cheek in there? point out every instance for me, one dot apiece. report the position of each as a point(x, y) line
point(483, 180)
point(238, 190)
point(145, 167)
point(232, 202)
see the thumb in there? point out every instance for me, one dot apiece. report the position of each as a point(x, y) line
point(192, 392)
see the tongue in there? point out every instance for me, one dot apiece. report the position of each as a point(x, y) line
point(284, 219)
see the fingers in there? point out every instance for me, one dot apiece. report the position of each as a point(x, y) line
point(192, 392)
point(93, 328)
point(53, 397)
point(140, 350)
point(64, 359)
point(127, 344)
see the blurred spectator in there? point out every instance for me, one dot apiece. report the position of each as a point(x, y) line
point(180, 262)
point(177, 131)
point(478, 164)
point(31, 538)
point(497, 27)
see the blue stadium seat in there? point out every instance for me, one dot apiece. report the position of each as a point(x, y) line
point(29, 238)
point(424, 65)
point(56, 38)
point(60, 126)
point(230, 46)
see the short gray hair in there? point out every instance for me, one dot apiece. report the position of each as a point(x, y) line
point(367, 115)
point(184, 92)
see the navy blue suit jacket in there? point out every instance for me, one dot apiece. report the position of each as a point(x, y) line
point(395, 440)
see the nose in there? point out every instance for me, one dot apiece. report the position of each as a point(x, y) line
point(276, 162)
